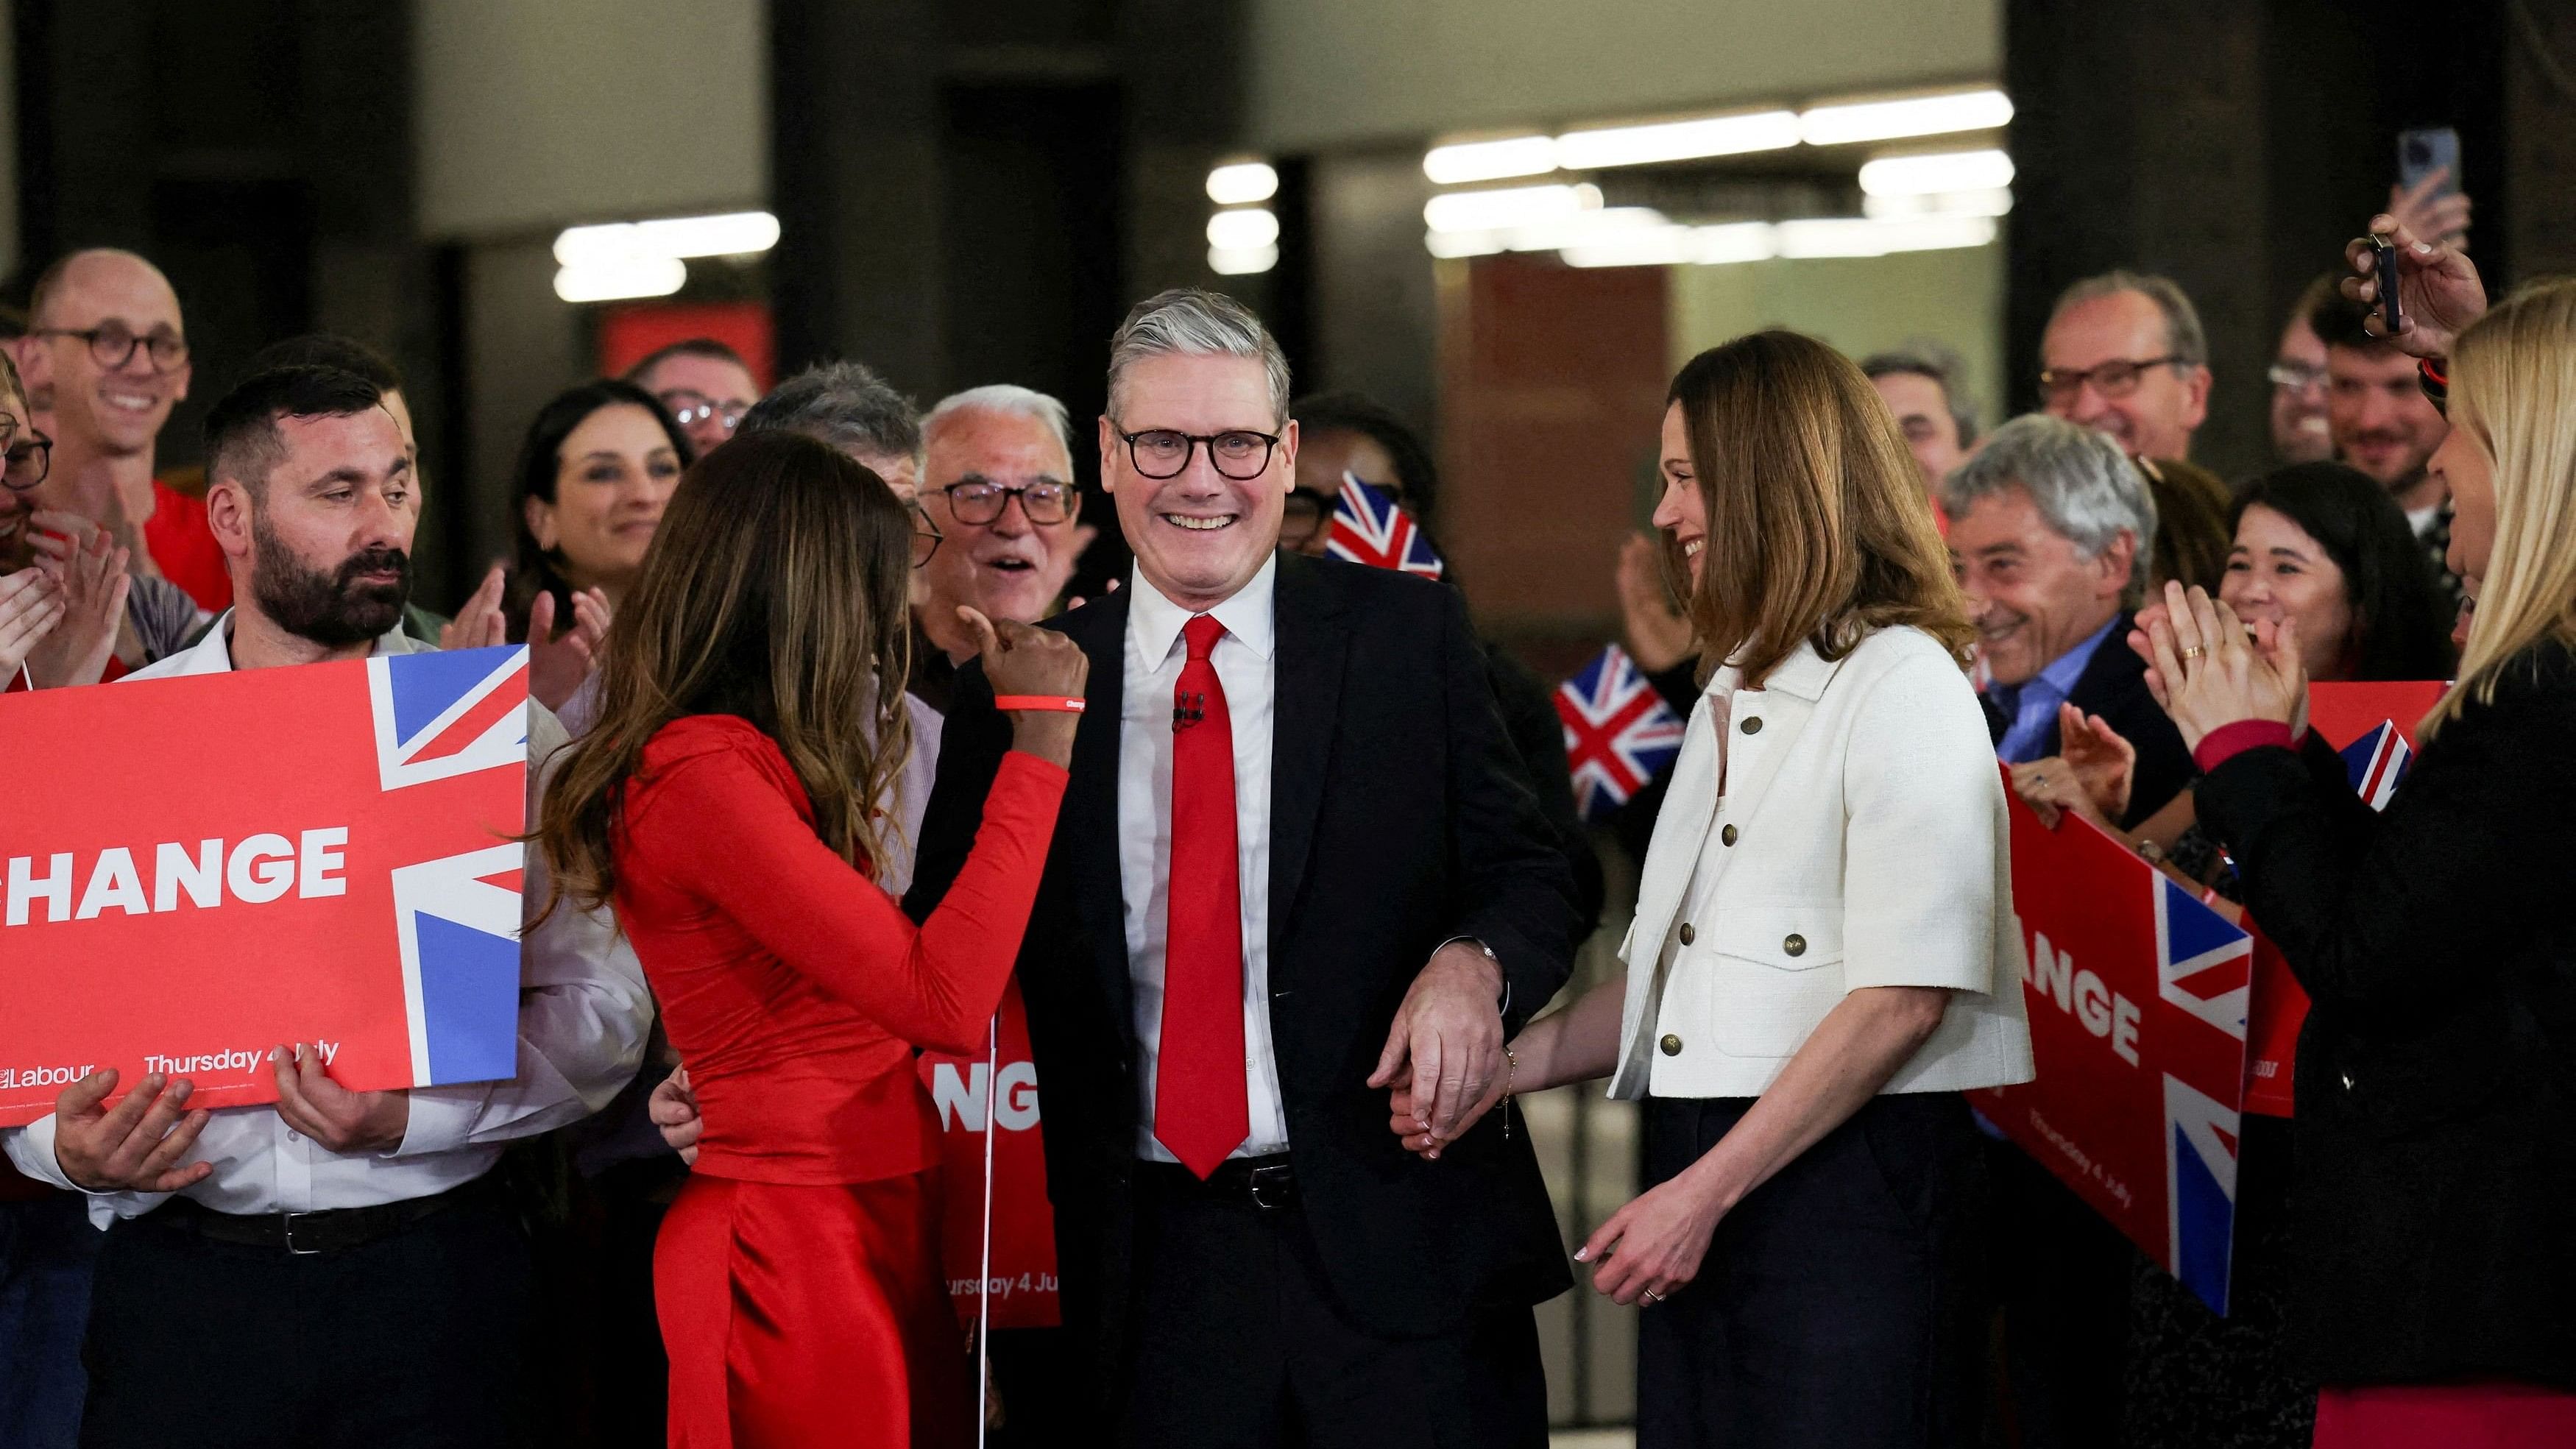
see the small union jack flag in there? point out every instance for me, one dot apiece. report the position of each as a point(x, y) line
point(1618, 731)
point(1370, 527)
point(2377, 763)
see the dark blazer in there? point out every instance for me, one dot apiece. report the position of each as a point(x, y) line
point(1398, 821)
point(2436, 1130)
point(2114, 686)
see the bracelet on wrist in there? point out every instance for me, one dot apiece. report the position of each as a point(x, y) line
point(1057, 703)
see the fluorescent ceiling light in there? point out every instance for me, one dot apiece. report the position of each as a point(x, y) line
point(733, 233)
point(607, 279)
point(1938, 171)
point(1449, 245)
point(1742, 241)
point(1242, 183)
point(1841, 125)
point(1466, 161)
point(1992, 201)
point(1241, 231)
point(1240, 261)
point(1853, 236)
point(1508, 208)
point(1677, 140)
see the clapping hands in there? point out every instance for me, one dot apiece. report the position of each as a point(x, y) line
point(2208, 669)
point(88, 569)
point(557, 662)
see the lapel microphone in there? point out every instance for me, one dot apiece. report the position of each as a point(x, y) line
point(1187, 710)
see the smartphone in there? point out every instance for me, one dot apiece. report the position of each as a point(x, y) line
point(2422, 152)
point(2383, 270)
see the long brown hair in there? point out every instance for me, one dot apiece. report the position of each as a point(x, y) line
point(774, 590)
point(1818, 528)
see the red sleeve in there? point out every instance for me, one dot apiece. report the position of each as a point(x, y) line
point(733, 837)
point(2230, 740)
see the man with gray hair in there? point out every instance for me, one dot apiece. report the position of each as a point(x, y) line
point(2124, 354)
point(846, 406)
point(2050, 530)
point(1923, 384)
point(1298, 888)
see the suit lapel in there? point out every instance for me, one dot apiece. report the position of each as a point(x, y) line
point(1313, 641)
point(1090, 823)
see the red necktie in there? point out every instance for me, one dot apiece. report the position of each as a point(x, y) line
point(1199, 1107)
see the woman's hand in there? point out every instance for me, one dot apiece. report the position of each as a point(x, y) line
point(1650, 1248)
point(91, 570)
point(558, 663)
point(1020, 659)
point(1657, 637)
point(1406, 1122)
point(31, 606)
point(2105, 764)
point(480, 624)
point(2206, 670)
point(673, 1108)
point(2438, 291)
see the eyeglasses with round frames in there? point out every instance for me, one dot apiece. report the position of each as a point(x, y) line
point(979, 502)
point(689, 407)
point(2117, 378)
point(1240, 454)
point(30, 456)
point(112, 344)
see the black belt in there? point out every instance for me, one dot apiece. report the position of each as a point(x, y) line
point(331, 1230)
point(1265, 1182)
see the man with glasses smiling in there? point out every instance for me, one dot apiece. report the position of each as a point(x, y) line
point(705, 384)
point(106, 346)
point(998, 489)
point(1299, 884)
point(2124, 355)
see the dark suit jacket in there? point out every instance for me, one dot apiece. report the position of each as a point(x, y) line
point(2436, 1129)
point(1398, 821)
point(2114, 686)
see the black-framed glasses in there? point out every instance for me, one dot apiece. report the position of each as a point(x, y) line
point(112, 344)
point(979, 502)
point(926, 537)
point(1307, 512)
point(690, 407)
point(30, 455)
point(2117, 378)
point(1163, 453)
point(2296, 376)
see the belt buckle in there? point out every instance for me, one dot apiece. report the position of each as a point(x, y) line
point(1264, 1180)
point(287, 1221)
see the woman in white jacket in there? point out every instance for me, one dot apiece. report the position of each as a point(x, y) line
point(1824, 956)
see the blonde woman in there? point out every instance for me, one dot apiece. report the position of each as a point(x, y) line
point(1824, 954)
point(2435, 1295)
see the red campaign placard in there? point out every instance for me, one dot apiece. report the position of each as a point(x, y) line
point(2372, 725)
point(1022, 1290)
point(199, 869)
point(2136, 994)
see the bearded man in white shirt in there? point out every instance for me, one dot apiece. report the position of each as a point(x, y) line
point(339, 1268)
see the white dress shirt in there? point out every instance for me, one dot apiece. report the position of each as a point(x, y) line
point(583, 1012)
point(1860, 841)
point(1246, 664)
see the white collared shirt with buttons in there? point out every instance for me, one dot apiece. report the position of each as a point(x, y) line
point(583, 1014)
point(1861, 840)
point(1246, 664)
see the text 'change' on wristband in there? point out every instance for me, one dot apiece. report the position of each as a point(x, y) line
point(1060, 703)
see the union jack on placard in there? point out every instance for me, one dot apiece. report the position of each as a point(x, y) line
point(456, 917)
point(1618, 732)
point(1370, 527)
point(2205, 966)
point(2377, 763)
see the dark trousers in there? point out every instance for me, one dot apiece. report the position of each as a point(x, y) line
point(2063, 1277)
point(412, 1341)
point(1239, 1343)
point(46, 1249)
point(1838, 1303)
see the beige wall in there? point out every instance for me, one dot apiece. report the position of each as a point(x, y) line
point(1860, 305)
point(535, 113)
point(1333, 72)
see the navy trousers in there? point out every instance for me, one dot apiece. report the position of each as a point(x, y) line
point(1839, 1302)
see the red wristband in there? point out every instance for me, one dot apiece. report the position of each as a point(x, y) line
point(1060, 703)
point(2230, 740)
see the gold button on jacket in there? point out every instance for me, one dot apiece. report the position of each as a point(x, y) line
point(1796, 945)
point(1727, 835)
point(1752, 725)
point(1671, 1044)
point(1688, 935)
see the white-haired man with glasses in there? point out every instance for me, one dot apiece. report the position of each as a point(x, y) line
point(1299, 883)
point(997, 485)
point(2124, 354)
point(105, 359)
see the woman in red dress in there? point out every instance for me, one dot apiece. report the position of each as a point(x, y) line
point(728, 801)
